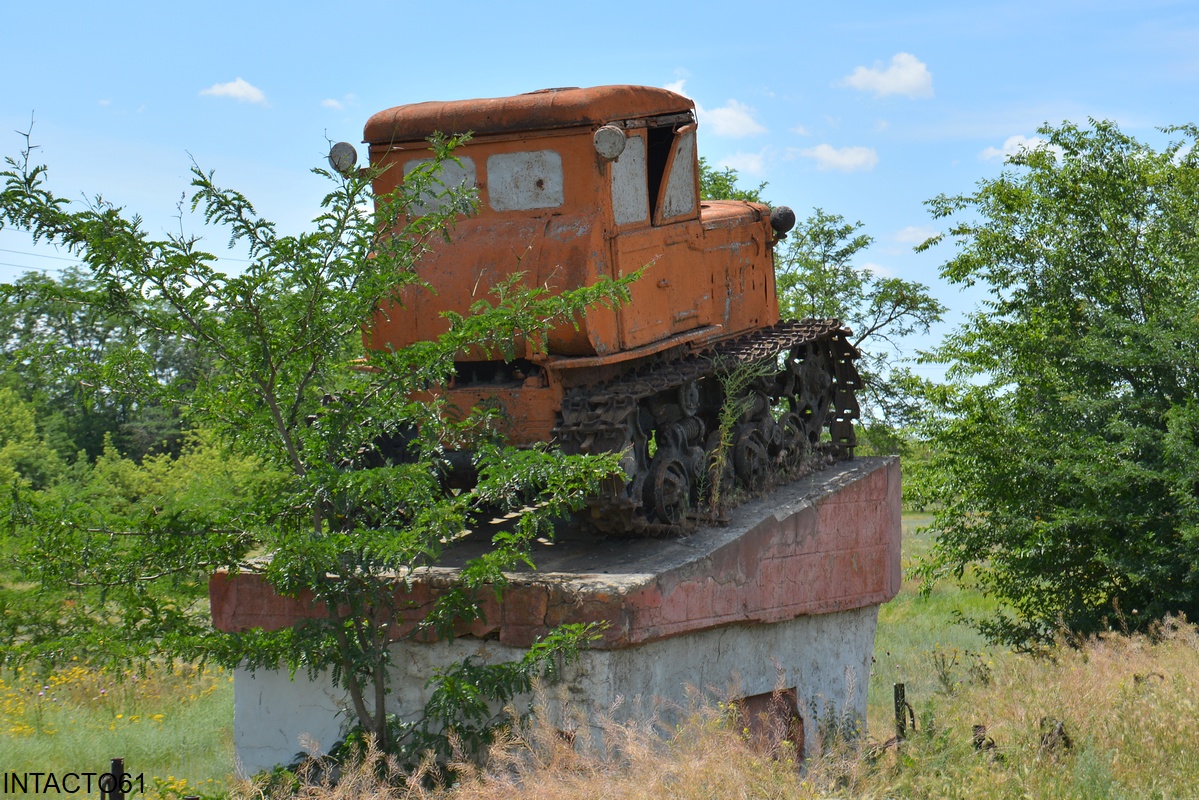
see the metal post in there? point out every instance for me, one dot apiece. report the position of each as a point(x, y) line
point(117, 772)
point(903, 710)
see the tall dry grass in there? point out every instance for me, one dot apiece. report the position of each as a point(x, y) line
point(1113, 717)
point(1127, 707)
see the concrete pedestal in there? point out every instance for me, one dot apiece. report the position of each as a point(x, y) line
point(785, 596)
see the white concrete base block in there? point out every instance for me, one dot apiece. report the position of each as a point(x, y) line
point(825, 657)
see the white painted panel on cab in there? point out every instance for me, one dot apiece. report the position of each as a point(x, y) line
point(680, 186)
point(524, 181)
point(630, 190)
point(439, 194)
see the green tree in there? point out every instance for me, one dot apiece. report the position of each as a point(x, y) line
point(287, 385)
point(58, 330)
point(25, 457)
point(1065, 467)
point(722, 185)
point(816, 276)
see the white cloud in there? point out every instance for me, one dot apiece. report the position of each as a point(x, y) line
point(1014, 144)
point(734, 119)
point(340, 105)
point(915, 234)
point(881, 125)
point(878, 270)
point(800, 129)
point(746, 163)
point(841, 159)
point(239, 90)
point(106, 102)
point(907, 75)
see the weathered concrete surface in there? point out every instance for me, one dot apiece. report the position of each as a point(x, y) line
point(825, 658)
point(785, 596)
point(829, 542)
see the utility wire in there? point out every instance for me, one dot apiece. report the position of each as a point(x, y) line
point(38, 255)
point(75, 260)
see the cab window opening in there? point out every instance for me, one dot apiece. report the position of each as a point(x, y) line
point(658, 147)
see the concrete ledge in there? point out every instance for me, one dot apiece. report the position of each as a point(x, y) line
point(784, 597)
point(829, 542)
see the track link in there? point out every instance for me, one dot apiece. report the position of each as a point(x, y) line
point(665, 417)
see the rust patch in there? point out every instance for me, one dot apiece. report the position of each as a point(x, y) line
point(534, 111)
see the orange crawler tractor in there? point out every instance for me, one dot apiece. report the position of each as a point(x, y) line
point(575, 185)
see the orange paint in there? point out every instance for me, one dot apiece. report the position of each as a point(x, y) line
point(553, 207)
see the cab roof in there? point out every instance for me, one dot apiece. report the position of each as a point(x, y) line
point(542, 110)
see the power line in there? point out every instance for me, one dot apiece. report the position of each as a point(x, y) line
point(29, 268)
point(77, 261)
point(38, 255)
point(74, 261)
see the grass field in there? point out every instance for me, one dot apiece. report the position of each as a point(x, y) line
point(174, 728)
point(1116, 718)
point(921, 641)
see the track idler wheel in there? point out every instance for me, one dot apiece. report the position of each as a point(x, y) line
point(751, 458)
point(794, 440)
point(812, 367)
point(668, 490)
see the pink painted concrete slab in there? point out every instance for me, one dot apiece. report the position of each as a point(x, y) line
point(829, 542)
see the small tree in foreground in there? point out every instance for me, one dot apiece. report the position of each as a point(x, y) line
point(119, 574)
point(1065, 466)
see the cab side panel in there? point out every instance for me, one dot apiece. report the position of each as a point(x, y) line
point(537, 215)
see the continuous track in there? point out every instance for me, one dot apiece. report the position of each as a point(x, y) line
point(666, 417)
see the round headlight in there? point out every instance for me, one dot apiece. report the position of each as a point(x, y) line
point(343, 157)
point(609, 142)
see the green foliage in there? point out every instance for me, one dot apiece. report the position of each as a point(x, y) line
point(171, 724)
point(817, 277)
point(470, 702)
point(113, 563)
point(722, 185)
point(1065, 450)
point(25, 457)
point(113, 557)
point(735, 384)
point(59, 333)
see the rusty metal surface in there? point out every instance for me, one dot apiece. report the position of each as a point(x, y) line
point(713, 269)
point(566, 210)
point(676, 404)
point(535, 111)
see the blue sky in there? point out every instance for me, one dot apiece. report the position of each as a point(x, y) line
point(864, 109)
